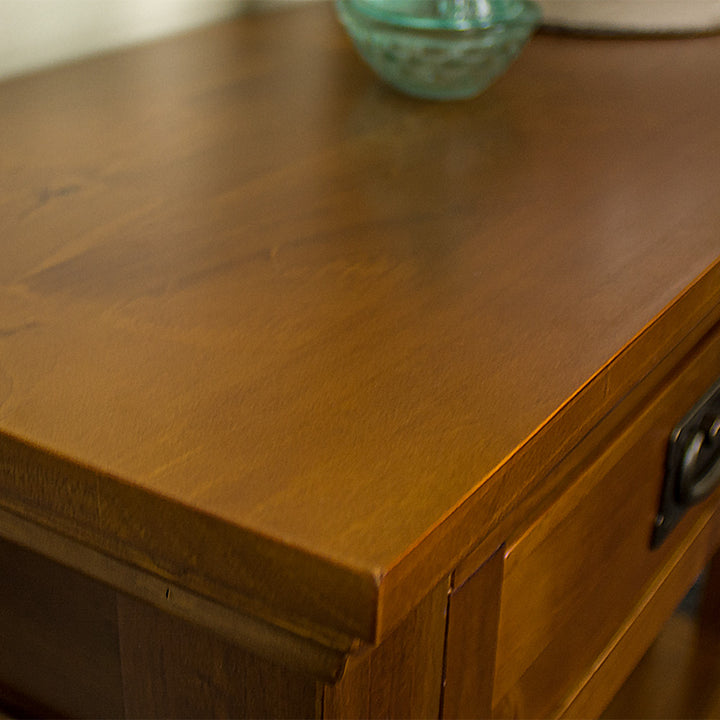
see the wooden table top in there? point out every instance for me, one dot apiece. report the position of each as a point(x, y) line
point(274, 331)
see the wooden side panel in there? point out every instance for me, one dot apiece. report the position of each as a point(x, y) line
point(471, 642)
point(402, 677)
point(58, 639)
point(578, 573)
point(174, 669)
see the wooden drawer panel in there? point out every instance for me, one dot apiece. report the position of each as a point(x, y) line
point(575, 576)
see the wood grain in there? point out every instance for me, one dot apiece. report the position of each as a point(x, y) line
point(171, 669)
point(589, 555)
point(256, 307)
point(471, 643)
point(679, 677)
point(323, 661)
point(596, 690)
point(403, 676)
point(59, 654)
point(549, 471)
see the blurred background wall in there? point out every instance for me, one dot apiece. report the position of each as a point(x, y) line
point(37, 33)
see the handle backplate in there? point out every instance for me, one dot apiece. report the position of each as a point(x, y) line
point(692, 468)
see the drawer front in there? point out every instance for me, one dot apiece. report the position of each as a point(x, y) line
point(574, 577)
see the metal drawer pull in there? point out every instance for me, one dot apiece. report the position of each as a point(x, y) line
point(700, 466)
point(692, 469)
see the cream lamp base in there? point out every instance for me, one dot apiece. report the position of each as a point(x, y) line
point(643, 16)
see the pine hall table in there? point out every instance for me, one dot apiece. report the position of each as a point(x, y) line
point(320, 401)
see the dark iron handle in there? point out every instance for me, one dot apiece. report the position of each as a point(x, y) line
point(692, 463)
point(699, 472)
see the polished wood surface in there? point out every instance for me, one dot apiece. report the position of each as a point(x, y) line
point(71, 646)
point(589, 555)
point(403, 676)
point(471, 646)
point(295, 343)
point(279, 343)
point(172, 669)
point(595, 689)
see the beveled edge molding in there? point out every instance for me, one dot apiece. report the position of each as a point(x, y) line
point(325, 663)
point(255, 575)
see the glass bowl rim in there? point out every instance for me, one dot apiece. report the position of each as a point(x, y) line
point(523, 11)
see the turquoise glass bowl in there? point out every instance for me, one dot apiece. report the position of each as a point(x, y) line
point(439, 49)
